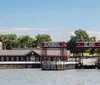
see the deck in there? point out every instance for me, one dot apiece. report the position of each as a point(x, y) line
point(13, 63)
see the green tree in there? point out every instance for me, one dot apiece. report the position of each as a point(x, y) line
point(98, 40)
point(26, 41)
point(8, 40)
point(92, 50)
point(71, 44)
point(93, 39)
point(80, 36)
point(42, 38)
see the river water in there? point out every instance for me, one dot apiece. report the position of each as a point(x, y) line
point(39, 77)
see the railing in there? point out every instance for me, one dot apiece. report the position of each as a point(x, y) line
point(29, 62)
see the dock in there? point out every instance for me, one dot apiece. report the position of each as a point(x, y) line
point(19, 65)
point(87, 63)
point(58, 65)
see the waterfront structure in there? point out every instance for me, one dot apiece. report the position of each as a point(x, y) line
point(60, 52)
point(29, 58)
point(19, 59)
point(55, 60)
point(51, 55)
point(23, 58)
point(19, 55)
point(91, 62)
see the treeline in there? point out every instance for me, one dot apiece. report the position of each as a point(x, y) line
point(23, 41)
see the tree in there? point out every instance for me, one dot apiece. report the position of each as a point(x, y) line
point(98, 40)
point(93, 39)
point(42, 38)
point(26, 41)
point(8, 40)
point(80, 36)
point(71, 44)
point(92, 50)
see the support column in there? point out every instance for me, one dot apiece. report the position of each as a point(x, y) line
point(7, 58)
point(61, 54)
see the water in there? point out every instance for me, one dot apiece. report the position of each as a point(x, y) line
point(38, 77)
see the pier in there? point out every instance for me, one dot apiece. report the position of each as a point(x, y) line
point(19, 65)
point(51, 56)
point(58, 65)
point(57, 57)
point(87, 61)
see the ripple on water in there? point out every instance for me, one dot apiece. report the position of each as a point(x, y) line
point(39, 77)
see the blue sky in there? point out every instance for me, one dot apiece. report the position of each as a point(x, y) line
point(58, 18)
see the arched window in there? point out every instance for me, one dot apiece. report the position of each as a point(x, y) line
point(37, 59)
point(7, 58)
point(17, 58)
point(32, 58)
point(27, 58)
point(12, 58)
point(22, 59)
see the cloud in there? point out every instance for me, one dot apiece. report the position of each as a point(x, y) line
point(3, 30)
point(93, 32)
point(32, 29)
point(71, 33)
point(24, 29)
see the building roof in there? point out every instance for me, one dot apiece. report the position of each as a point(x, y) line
point(50, 52)
point(14, 52)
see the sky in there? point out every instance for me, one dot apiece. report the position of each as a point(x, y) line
point(58, 18)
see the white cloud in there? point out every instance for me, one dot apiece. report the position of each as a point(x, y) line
point(24, 29)
point(93, 32)
point(32, 29)
point(71, 33)
point(20, 29)
point(3, 30)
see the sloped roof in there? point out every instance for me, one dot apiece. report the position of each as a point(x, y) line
point(38, 51)
point(50, 52)
point(53, 52)
point(14, 52)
